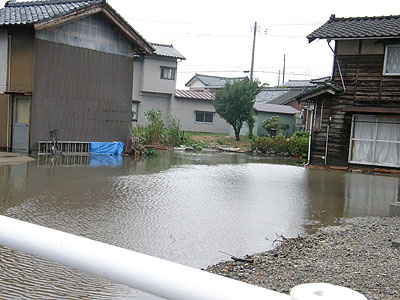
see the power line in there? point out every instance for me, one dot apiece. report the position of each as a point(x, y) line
point(228, 24)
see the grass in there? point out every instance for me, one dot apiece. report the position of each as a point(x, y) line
point(219, 138)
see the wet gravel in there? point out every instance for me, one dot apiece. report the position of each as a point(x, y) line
point(358, 254)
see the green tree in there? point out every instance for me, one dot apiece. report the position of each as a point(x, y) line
point(251, 122)
point(272, 124)
point(235, 101)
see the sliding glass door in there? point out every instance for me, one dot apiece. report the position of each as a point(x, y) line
point(375, 140)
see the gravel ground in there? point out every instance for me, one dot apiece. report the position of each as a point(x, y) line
point(358, 254)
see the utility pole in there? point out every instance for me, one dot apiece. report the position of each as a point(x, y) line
point(284, 68)
point(279, 78)
point(254, 47)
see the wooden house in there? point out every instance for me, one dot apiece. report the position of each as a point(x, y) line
point(65, 65)
point(356, 117)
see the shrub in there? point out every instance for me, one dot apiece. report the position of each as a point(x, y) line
point(296, 145)
point(275, 124)
point(173, 135)
point(155, 129)
point(280, 144)
point(157, 132)
point(263, 144)
point(149, 153)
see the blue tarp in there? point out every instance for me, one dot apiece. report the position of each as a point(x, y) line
point(113, 148)
point(105, 160)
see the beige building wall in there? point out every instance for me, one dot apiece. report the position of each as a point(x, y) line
point(185, 111)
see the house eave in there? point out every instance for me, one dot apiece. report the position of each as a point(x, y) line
point(312, 94)
point(311, 39)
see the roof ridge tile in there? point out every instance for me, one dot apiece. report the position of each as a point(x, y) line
point(45, 2)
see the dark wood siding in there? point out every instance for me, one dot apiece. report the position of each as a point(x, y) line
point(4, 109)
point(85, 94)
point(21, 65)
point(366, 86)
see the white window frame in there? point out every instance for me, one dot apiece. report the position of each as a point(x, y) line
point(168, 73)
point(374, 141)
point(204, 119)
point(135, 113)
point(385, 60)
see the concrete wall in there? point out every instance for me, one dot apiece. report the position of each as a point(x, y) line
point(153, 101)
point(152, 81)
point(184, 110)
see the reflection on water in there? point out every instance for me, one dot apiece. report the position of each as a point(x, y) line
point(181, 207)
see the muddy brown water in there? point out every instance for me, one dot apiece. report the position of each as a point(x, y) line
point(184, 207)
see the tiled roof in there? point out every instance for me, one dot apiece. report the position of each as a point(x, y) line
point(298, 84)
point(275, 108)
point(31, 12)
point(194, 95)
point(215, 81)
point(358, 28)
point(167, 50)
point(269, 94)
point(286, 97)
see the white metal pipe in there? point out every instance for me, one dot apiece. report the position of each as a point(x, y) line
point(149, 274)
point(310, 138)
point(8, 122)
point(324, 291)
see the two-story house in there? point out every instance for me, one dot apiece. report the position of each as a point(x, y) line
point(356, 117)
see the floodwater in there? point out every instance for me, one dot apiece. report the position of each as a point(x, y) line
point(183, 207)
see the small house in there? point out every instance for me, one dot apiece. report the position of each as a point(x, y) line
point(208, 83)
point(263, 111)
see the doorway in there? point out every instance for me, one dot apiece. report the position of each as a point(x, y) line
point(21, 116)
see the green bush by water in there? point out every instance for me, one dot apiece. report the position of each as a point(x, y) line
point(296, 145)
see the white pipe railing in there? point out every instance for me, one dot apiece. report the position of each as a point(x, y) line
point(149, 274)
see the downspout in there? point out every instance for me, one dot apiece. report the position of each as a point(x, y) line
point(310, 138)
point(339, 68)
point(8, 122)
point(327, 140)
point(9, 96)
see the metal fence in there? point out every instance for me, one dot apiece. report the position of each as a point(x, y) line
point(159, 277)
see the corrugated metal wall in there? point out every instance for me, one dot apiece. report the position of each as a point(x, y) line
point(85, 94)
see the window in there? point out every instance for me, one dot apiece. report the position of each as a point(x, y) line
point(135, 109)
point(168, 73)
point(375, 140)
point(392, 60)
point(204, 117)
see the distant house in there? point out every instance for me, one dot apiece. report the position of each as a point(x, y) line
point(207, 83)
point(356, 118)
point(195, 112)
point(66, 65)
point(263, 111)
point(287, 94)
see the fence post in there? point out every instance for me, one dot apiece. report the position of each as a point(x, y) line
point(324, 291)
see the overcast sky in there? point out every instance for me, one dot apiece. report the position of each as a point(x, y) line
point(216, 36)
